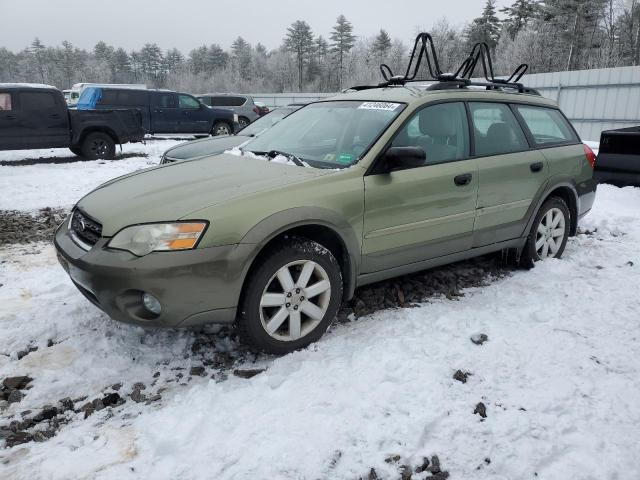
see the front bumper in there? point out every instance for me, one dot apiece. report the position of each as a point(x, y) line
point(194, 287)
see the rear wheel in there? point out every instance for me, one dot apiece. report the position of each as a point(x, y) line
point(549, 232)
point(98, 145)
point(221, 128)
point(243, 122)
point(291, 298)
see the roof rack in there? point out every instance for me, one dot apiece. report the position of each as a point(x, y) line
point(424, 47)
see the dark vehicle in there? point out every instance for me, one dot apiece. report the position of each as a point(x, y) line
point(163, 111)
point(213, 146)
point(37, 116)
point(618, 161)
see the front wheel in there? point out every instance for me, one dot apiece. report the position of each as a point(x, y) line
point(221, 128)
point(549, 232)
point(98, 145)
point(291, 298)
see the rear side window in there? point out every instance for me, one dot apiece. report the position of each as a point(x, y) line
point(131, 98)
point(5, 101)
point(496, 130)
point(166, 100)
point(109, 97)
point(227, 101)
point(547, 125)
point(36, 100)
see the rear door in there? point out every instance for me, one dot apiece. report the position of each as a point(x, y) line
point(511, 172)
point(194, 116)
point(425, 212)
point(165, 114)
point(9, 122)
point(43, 117)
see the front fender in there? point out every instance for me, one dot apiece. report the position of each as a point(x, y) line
point(280, 222)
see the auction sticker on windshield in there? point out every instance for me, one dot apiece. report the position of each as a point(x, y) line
point(379, 106)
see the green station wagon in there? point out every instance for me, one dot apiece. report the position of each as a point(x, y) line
point(364, 186)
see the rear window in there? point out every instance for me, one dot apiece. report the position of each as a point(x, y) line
point(36, 100)
point(227, 101)
point(5, 101)
point(547, 125)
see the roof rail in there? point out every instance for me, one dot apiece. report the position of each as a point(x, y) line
point(424, 48)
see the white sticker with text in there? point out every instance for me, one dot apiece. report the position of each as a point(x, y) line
point(379, 106)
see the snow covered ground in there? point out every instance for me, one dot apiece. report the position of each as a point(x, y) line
point(559, 374)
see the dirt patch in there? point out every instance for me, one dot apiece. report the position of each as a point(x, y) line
point(23, 227)
point(59, 160)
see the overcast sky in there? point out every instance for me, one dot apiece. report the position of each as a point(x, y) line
point(189, 23)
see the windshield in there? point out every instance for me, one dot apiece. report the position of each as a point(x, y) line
point(328, 134)
point(267, 121)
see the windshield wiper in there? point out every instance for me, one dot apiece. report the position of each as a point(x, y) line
point(271, 154)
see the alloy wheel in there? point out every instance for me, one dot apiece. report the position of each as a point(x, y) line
point(291, 309)
point(550, 233)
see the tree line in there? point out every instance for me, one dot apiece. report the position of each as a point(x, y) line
point(549, 35)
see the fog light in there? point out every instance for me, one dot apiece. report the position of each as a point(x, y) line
point(151, 303)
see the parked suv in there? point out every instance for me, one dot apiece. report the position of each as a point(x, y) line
point(355, 189)
point(242, 105)
point(163, 111)
point(36, 116)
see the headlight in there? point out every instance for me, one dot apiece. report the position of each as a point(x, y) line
point(158, 237)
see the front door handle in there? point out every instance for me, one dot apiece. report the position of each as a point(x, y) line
point(536, 167)
point(462, 180)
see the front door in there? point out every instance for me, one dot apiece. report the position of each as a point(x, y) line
point(9, 128)
point(510, 173)
point(425, 212)
point(194, 116)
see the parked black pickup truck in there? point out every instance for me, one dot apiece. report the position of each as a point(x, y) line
point(37, 116)
point(618, 161)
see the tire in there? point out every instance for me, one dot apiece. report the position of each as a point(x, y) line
point(243, 122)
point(221, 128)
point(543, 241)
point(269, 305)
point(76, 151)
point(98, 145)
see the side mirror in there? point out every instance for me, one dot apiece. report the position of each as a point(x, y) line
point(401, 158)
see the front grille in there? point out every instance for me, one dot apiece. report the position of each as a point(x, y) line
point(87, 230)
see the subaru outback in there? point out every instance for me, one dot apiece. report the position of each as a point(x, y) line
point(358, 188)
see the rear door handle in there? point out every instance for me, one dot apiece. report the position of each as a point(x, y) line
point(462, 180)
point(10, 117)
point(536, 167)
point(54, 115)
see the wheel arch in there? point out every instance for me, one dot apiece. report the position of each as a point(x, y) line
point(101, 129)
point(320, 225)
point(564, 189)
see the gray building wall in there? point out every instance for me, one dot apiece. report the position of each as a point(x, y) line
point(594, 100)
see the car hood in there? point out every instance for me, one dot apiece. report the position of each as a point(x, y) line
point(173, 191)
point(204, 147)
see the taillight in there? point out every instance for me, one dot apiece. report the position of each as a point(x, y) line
point(591, 157)
point(256, 110)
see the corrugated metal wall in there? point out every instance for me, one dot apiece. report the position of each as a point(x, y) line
point(594, 100)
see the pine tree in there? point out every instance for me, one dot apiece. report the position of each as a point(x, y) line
point(70, 62)
point(485, 28)
point(519, 15)
point(241, 53)
point(173, 60)
point(299, 40)
point(38, 53)
point(343, 40)
point(382, 43)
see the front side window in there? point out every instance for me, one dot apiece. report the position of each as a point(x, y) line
point(186, 101)
point(547, 125)
point(496, 130)
point(329, 134)
point(36, 100)
point(440, 130)
point(5, 101)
